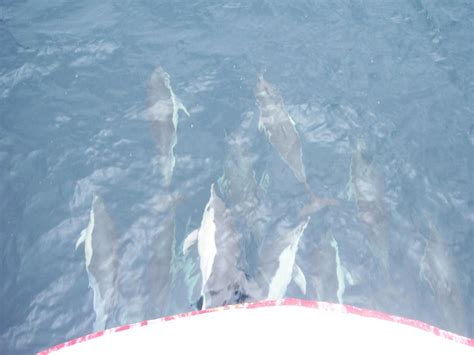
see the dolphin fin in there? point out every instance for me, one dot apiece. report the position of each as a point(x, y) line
point(90, 226)
point(292, 120)
point(223, 184)
point(264, 182)
point(349, 191)
point(347, 276)
point(299, 278)
point(82, 237)
point(182, 107)
point(190, 240)
point(341, 284)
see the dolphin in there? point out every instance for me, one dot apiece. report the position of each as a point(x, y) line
point(367, 187)
point(100, 250)
point(162, 266)
point(238, 182)
point(279, 127)
point(162, 261)
point(280, 130)
point(220, 256)
point(163, 112)
point(327, 278)
point(438, 271)
point(278, 263)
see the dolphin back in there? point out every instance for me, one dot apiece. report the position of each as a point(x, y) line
point(279, 127)
point(100, 252)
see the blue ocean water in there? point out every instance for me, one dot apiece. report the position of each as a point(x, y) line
point(396, 77)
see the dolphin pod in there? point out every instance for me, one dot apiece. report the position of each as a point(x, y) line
point(237, 211)
point(100, 251)
point(223, 269)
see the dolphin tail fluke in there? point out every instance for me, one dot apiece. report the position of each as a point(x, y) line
point(190, 240)
point(299, 278)
point(315, 200)
point(315, 204)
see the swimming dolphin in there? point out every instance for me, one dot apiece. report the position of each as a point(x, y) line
point(239, 186)
point(100, 250)
point(280, 130)
point(238, 181)
point(162, 261)
point(278, 263)
point(163, 115)
point(279, 127)
point(327, 277)
point(366, 186)
point(220, 255)
point(438, 270)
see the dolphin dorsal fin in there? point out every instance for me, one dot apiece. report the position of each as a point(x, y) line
point(299, 278)
point(190, 240)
